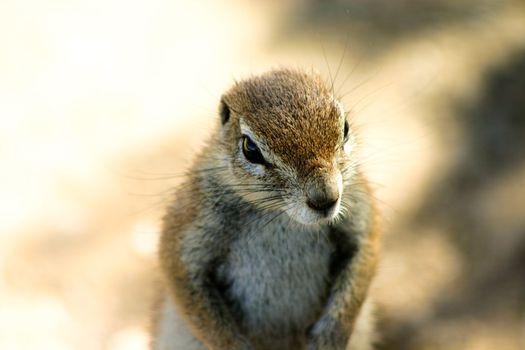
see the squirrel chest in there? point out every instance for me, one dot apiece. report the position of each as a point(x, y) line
point(276, 279)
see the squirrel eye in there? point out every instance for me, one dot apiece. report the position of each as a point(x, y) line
point(345, 132)
point(251, 151)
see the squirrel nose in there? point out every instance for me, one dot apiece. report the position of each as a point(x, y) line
point(322, 194)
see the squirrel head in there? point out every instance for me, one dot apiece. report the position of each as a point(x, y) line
point(288, 144)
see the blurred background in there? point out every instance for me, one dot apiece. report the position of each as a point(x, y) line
point(103, 104)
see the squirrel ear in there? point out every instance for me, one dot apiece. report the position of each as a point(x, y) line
point(224, 112)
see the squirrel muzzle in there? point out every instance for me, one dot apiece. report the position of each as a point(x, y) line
point(323, 190)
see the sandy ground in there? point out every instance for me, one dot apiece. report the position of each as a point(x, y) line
point(103, 104)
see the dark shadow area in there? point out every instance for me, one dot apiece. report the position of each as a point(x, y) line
point(374, 25)
point(480, 205)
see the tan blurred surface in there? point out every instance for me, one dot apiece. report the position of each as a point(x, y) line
point(103, 103)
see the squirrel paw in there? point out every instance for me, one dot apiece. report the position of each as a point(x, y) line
point(327, 334)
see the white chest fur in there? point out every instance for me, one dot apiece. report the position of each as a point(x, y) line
point(278, 276)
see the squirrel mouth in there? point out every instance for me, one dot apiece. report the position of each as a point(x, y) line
point(309, 214)
point(322, 214)
point(324, 207)
point(327, 208)
point(328, 213)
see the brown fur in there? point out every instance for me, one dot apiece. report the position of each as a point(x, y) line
point(216, 335)
point(301, 124)
point(300, 102)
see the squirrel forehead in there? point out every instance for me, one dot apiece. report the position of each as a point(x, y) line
point(293, 111)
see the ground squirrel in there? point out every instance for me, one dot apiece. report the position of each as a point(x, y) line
point(271, 243)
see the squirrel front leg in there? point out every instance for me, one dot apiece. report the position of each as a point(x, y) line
point(199, 301)
point(357, 264)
